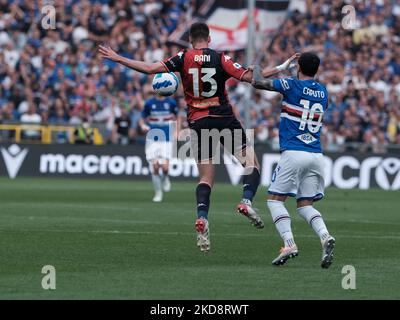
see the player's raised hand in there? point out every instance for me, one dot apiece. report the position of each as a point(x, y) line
point(107, 53)
point(291, 59)
point(286, 64)
point(295, 56)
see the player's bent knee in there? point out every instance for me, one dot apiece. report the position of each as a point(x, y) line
point(304, 203)
point(209, 182)
point(247, 157)
point(276, 197)
point(207, 178)
point(165, 166)
point(276, 205)
point(156, 167)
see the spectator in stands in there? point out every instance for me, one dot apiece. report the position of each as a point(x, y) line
point(83, 134)
point(122, 131)
point(360, 67)
point(33, 118)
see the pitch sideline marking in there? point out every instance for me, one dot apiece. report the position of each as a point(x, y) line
point(222, 234)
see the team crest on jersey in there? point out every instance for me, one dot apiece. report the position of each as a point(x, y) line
point(306, 138)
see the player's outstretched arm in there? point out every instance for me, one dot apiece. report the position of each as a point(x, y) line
point(260, 77)
point(107, 53)
point(268, 72)
point(259, 82)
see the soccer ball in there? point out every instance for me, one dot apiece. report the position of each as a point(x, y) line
point(165, 84)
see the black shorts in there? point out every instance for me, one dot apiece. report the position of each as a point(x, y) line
point(209, 132)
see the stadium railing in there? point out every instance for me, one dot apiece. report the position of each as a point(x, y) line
point(46, 132)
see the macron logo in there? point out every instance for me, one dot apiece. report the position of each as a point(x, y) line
point(13, 159)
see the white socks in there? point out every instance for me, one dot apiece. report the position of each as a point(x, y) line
point(314, 218)
point(156, 183)
point(282, 221)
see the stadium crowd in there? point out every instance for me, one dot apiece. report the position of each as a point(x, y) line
point(360, 67)
point(55, 75)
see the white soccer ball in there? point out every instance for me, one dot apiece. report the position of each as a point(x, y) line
point(165, 84)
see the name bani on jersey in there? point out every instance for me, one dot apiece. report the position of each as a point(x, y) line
point(202, 58)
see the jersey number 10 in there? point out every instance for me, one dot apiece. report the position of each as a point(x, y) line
point(207, 77)
point(307, 117)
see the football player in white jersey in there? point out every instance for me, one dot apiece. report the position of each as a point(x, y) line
point(158, 118)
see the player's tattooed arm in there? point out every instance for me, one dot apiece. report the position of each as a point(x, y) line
point(107, 53)
point(259, 82)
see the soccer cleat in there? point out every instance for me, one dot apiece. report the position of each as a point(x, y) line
point(203, 234)
point(249, 212)
point(285, 254)
point(158, 197)
point(328, 247)
point(166, 184)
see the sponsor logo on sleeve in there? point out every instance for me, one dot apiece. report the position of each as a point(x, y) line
point(284, 84)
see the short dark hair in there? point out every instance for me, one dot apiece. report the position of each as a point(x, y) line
point(199, 31)
point(309, 63)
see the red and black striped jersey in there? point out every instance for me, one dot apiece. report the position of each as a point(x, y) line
point(204, 73)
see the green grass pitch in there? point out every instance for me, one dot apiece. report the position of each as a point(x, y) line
point(106, 239)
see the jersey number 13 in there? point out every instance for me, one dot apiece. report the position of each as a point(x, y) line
point(207, 76)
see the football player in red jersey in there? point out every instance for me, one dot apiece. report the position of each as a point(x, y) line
point(204, 73)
